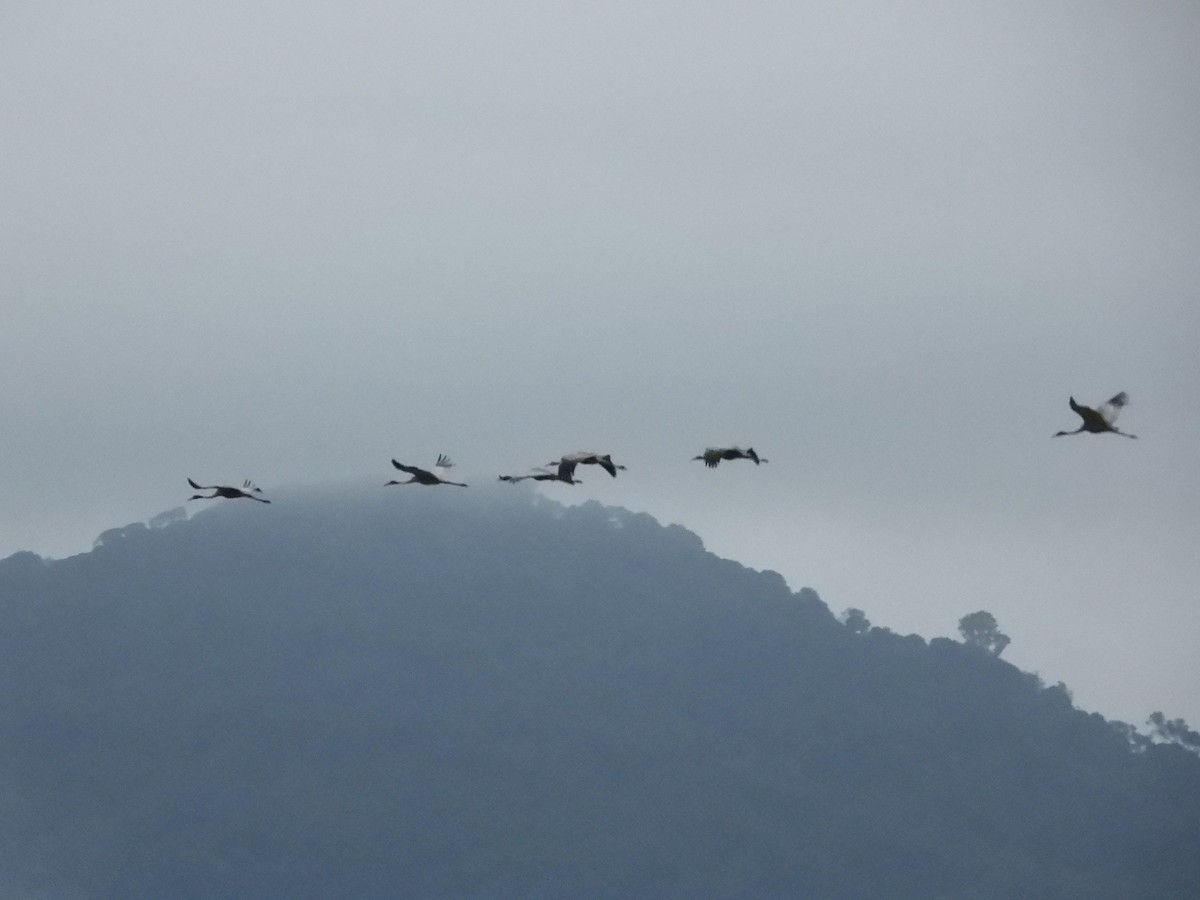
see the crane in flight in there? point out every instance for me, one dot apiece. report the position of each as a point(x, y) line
point(1101, 419)
point(247, 490)
point(544, 475)
point(713, 455)
point(566, 465)
point(425, 476)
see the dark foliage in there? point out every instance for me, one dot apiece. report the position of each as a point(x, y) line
point(856, 620)
point(1174, 731)
point(980, 629)
point(482, 694)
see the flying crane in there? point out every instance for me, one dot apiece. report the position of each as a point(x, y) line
point(1100, 420)
point(543, 475)
point(566, 465)
point(713, 455)
point(247, 490)
point(424, 476)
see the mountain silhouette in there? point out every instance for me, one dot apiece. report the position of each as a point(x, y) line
point(355, 693)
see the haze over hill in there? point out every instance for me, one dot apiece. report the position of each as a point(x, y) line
point(881, 242)
point(434, 692)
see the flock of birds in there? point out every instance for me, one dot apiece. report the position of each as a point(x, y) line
point(1095, 421)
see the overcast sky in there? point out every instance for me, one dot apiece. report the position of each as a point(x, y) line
point(882, 243)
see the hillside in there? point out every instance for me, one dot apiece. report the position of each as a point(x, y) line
point(369, 693)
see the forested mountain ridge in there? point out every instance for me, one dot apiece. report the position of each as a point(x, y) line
point(366, 694)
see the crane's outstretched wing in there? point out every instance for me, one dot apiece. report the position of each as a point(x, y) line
point(587, 458)
point(411, 470)
point(605, 462)
point(1112, 408)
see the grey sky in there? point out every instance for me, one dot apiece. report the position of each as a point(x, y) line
point(879, 242)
